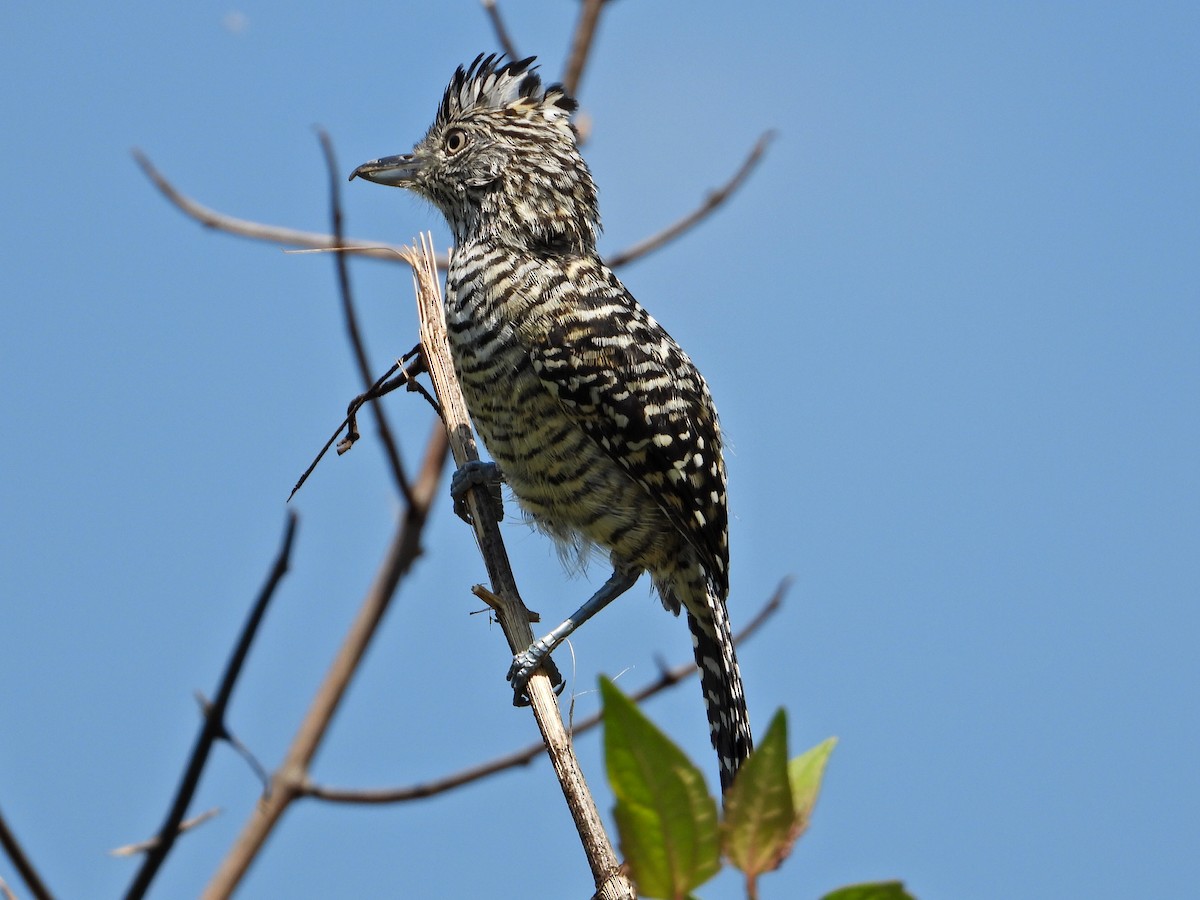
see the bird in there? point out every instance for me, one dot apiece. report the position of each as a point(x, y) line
point(599, 422)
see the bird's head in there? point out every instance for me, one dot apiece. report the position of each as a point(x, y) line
point(501, 161)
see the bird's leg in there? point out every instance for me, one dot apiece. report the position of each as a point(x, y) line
point(470, 474)
point(526, 662)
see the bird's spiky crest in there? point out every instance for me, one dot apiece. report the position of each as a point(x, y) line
point(491, 83)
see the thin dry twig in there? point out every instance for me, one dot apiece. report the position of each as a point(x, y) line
point(214, 722)
point(381, 387)
point(348, 424)
point(22, 863)
point(714, 199)
point(288, 780)
point(414, 364)
point(581, 44)
point(493, 14)
point(259, 231)
point(236, 743)
point(143, 846)
point(514, 618)
point(390, 447)
point(667, 678)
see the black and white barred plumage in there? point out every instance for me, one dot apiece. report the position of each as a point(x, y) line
point(599, 421)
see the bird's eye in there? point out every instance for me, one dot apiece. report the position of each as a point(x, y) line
point(455, 140)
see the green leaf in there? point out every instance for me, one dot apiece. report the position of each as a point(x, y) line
point(805, 773)
point(665, 816)
point(881, 890)
point(759, 811)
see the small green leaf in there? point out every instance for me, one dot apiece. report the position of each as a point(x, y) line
point(759, 813)
point(805, 773)
point(880, 890)
point(665, 816)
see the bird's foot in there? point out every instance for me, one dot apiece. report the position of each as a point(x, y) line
point(477, 472)
point(525, 663)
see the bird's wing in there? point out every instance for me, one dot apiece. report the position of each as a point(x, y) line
point(636, 393)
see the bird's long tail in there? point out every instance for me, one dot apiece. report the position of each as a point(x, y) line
point(721, 681)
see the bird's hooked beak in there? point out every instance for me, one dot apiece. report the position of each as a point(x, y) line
point(397, 171)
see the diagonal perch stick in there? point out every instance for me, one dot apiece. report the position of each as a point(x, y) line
point(514, 618)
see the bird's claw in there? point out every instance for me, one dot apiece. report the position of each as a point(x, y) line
point(477, 472)
point(524, 664)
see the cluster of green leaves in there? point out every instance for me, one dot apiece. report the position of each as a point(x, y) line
point(671, 835)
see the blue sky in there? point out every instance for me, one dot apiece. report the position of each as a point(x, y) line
point(951, 324)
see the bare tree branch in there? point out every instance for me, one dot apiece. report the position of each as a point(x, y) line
point(506, 44)
point(666, 679)
point(581, 44)
point(214, 722)
point(391, 449)
point(393, 253)
point(288, 780)
point(273, 234)
point(22, 863)
point(695, 217)
point(238, 746)
point(513, 616)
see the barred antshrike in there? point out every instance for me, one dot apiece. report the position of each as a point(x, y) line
point(598, 421)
